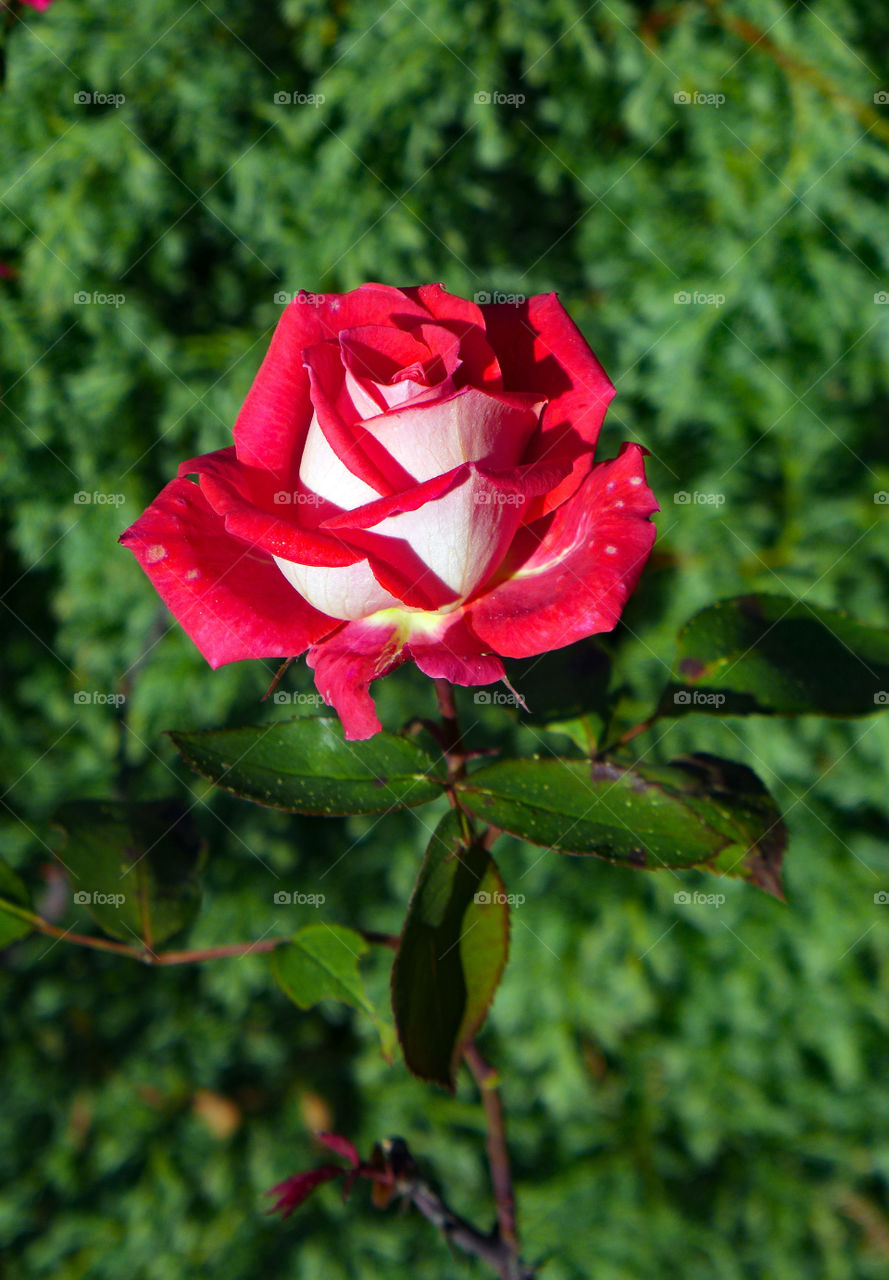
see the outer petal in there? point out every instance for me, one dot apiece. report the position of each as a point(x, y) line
point(230, 598)
point(275, 417)
point(441, 645)
point(541, 349)
point(249, 501)
point(577, 580)
point(347, 662)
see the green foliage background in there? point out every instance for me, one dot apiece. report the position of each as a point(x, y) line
point(696, 1091)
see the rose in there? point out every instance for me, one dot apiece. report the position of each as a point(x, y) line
point(453, 514)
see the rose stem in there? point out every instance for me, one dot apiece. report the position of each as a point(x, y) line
point(498, 1153)
point(148, 956)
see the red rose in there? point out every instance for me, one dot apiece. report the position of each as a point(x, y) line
point(412, 478)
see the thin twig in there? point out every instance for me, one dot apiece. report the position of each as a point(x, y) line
point(498, 1154)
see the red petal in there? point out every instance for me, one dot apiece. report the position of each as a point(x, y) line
point(576, 580)
point(459, 656)
point(346, 663)
point(231, 599)
point(248, 499)
point(541, 349)
point(296, 1190)
point(480, 367)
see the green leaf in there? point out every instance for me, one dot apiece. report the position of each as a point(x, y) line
point(452, 954)
point(306, 766)
point(13, 895)
point(133, 866)
point(691, 813)
point(321, 963)
point(775, 656)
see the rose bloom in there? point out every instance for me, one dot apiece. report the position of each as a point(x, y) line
point(412, 478)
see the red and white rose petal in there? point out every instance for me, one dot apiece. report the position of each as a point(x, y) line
point(570, 576)
point(226, 595)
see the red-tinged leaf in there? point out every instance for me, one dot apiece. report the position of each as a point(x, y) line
point(342, 1146)
point(296, 1190)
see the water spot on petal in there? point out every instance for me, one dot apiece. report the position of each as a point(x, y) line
point(155, 553)
point(192, 574)
point(620, 503)
point(635, 479)
point(610, 485)
point(611, 551)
